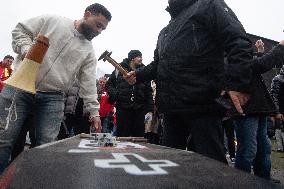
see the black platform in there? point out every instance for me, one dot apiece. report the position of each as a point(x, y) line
point(70, 164)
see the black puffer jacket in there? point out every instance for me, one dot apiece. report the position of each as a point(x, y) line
point(121, 92)
point(189, 59)
point(72, 97)
point(277, 91)
point(73, 103)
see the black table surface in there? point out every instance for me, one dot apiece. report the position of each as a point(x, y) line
point(68, 164)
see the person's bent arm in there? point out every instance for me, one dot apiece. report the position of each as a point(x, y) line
point(88, 90)
point(25, 32)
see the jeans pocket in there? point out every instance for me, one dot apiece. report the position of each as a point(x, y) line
point(8, 92)
point(4, 105)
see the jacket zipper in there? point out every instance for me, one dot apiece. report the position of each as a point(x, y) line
point(132, 98)
point(194, 37)
point(50, 67)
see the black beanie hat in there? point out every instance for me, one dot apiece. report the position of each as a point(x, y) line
point(133, 54)
point(8, 56)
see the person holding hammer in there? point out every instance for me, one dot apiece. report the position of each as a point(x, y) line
point(132, 101)
point(188, 68)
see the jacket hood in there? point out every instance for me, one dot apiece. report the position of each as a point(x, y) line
point(177, 7)
point(125, 63)
point(282, 71)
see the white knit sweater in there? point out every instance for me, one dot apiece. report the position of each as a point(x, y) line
point(69, 55)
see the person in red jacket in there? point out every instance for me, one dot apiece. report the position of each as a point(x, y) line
point(106, 108)
point(5, 69)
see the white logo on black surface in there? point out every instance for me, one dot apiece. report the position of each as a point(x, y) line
point(135, 164)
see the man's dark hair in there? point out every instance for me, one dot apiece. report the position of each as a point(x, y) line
point(97, 9)
point(9, 56)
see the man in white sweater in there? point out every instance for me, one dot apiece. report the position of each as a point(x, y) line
point(70, 55)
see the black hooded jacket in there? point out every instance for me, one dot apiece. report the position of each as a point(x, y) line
point(188, 61)
point(121, 92)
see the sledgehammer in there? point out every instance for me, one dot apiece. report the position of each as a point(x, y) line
point(106, 56)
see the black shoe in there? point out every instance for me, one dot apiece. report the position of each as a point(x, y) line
point(273, 180)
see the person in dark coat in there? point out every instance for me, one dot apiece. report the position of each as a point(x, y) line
point(132, 101)
point(254, 148)
point(277, 93)
point(76, 117)
point(189, 69)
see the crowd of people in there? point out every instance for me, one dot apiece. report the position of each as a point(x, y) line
point(204, 81)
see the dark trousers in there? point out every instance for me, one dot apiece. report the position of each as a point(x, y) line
point(130, 123)
point(79, 123)
point(199, 134)
point(228, 126)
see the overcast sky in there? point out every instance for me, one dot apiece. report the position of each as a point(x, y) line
point(135, 23)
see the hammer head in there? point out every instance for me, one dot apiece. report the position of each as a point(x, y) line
point(104, 55)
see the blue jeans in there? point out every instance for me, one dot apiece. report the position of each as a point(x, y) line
point(47, 108)
point(254, 148)
point(105, 125)
point(114, 130)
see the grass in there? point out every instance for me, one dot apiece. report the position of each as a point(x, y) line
point(276, 157)
point(277, 171)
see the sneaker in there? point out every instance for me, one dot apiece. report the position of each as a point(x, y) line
point(227, 155)
point(233, 160)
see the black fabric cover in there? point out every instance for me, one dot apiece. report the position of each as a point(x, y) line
point(54, 167)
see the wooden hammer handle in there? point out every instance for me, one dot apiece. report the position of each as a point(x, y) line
point(117, 66)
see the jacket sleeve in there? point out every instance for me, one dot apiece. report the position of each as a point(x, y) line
point(87, 83)
point(25, 32)
point(230, 34)
point(275, 88)
point(149, 98)
point(111, 88)
point(275, 57)
point(148, 72)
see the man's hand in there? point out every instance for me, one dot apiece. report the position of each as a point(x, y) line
point(281, 42)
point(239, 99)
point(272, 119)
point(96, 123)
point(260, 46)
point(279, 117)
point(130, 77)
